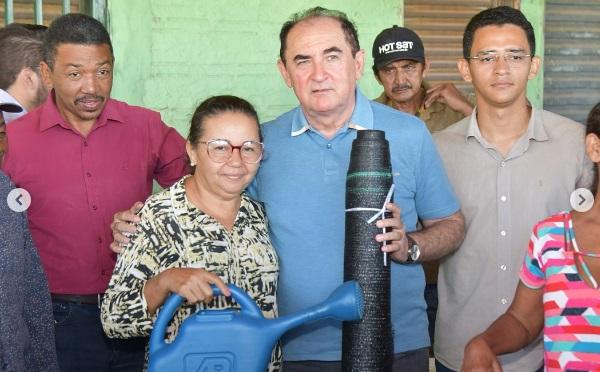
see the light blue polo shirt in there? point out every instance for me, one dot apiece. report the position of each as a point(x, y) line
point(302, 183)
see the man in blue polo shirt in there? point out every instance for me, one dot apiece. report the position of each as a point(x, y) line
point(302, 184)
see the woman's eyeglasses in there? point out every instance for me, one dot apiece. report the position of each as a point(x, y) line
point(221, 150)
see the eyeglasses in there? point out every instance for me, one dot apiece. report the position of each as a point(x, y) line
point(514, 59)
point(221, 150)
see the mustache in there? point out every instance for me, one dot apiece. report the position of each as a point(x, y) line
point(400, 87)
point(89, 97)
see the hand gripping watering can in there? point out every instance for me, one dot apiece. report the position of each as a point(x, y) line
point(233, 340)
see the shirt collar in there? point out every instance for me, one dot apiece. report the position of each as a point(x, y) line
point(473, 127)
point(422, 112)
point(425, 113)
point(362, 117)
point(5, 97)
point(51, 116)
point(182, 208)
point(535, 127)
point(189, 216)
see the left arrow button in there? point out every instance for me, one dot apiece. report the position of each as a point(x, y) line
point(18, 200)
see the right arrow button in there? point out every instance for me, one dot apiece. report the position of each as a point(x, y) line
point(582, 200)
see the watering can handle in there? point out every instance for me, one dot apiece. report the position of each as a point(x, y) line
point(157, 338)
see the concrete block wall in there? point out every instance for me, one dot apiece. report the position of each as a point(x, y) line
point(171, 54)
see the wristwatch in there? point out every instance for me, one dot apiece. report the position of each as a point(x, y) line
point(414, 251)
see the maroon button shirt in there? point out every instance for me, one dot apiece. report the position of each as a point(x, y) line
point(77, 184)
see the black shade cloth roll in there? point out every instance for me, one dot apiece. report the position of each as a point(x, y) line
point(367, 345)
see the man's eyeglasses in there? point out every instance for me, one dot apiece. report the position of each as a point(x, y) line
point(490, 58)
point(220, 150)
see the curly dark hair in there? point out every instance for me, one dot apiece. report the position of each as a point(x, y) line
point(74, 28)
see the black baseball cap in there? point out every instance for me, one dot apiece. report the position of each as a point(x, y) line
point(10, 107)
point(396, 43)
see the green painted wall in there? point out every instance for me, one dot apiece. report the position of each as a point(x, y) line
point(170, 55)
point(534, 11)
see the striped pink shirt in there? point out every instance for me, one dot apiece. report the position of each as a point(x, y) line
point(571, 306)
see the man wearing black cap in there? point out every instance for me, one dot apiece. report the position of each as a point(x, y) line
point(10, 108)
point(400, 66)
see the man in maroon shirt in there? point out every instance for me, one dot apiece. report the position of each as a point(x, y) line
point(83, 156)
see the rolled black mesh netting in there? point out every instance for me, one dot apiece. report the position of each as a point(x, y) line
point(367, 345)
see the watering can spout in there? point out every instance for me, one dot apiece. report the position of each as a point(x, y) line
point(345, 304)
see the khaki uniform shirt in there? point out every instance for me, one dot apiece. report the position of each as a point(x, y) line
point(438, 116)
point(501, 198)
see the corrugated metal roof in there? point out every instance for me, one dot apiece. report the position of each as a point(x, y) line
point(572, 57)
point(440, 24)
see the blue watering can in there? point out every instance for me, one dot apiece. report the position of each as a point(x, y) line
point(233, 340)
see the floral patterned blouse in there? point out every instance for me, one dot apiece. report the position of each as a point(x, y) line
point(174, 233)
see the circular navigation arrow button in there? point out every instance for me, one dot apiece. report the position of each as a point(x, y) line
point(18, 200)
point(582, 200)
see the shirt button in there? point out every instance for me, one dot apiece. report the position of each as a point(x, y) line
point(88, 174)
point(503, 233)
point(503, 267)
point(329, 145)
point(503, 164)
point(100, 240)
point(504, 301)
point(85, 143)
point(503, 198)
point(94, 207)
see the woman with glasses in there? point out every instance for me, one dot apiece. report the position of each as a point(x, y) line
point(203, 230)
point(558, 292)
